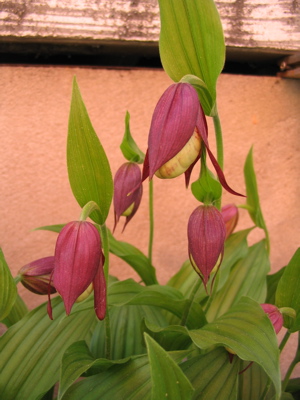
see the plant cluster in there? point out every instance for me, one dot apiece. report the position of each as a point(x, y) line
point(210, 332)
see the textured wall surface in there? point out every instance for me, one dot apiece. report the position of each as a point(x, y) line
point(34, 107)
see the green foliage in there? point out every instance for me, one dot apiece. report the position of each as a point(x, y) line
point(128, 146)
point(88, 167)
point(8, 290)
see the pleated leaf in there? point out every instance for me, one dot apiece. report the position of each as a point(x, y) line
point(88, 167)
point(246, 330)
point(168, 380)
point(272, 284)
point(134, 257)
point(213, 376)
point(247, 278)
point(8, 290)
point(252, 382)
point(17, 312)
point(192, 42)
point(31, 350)
point(126, 331)
point(130, 380)
point(76, 360)
point(288, 290)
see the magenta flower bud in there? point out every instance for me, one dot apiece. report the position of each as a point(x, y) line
point(128, 192)
point(275, 316)
point(206, 237)
point(35, 276)
point(178, 130)
point(78, 259)
point(230, 215)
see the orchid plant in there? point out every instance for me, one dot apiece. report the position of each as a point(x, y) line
point(211, 331)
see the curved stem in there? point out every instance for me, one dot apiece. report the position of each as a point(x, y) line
point(284, 340)
point(88, 209)
point(219, 145)
point(151, 221)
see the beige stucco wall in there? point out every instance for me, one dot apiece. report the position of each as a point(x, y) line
point(34, 107)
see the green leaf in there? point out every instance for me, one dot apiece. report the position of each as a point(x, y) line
point(31, 349)
point(17, 312)
point(191, 41)
point(89, 171)
point(247, 278)
point(52, 228)
point(168, 380)
point(206, 189)
point(134, 257)
point(288, 290)
point(76, 360)
point(252, 382)
point(212, 375)
point(126, 331)
point(246, 330)
point(130, 380)
point(8, 290)
point(128, 146)
point(253, 203)
point(272, 283)
point(172, 337)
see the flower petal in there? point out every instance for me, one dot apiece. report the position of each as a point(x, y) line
point(100, 291)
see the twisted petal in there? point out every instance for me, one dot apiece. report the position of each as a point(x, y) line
point(100, 291)
point(77, 257)
point(275, 316)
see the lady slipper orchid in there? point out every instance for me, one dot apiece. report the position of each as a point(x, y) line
point(177, 132)
point(206, 237)
point(275, 316)
point(35, 276)
point(78, 263)
point(230, 214)
point(127, 192)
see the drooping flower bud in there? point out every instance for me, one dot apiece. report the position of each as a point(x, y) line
point(78, 259)
point(128, 192)
point(206, 237)
point(275, 316)
point(177, 132)
point(230, 215)
point(35, 276)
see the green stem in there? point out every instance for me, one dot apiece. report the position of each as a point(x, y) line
point(284, 340)
point(189, 302)
point(105, 246)
point(151, 221)
point(88, 209)
point(219, 145)
point(17, 279)
point(295, 361)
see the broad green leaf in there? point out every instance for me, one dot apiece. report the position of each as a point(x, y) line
point(134, 257)
point(76, 360)
point(272, 283)
point(252, 382)
point(247, 331)
point(253, 203)
point(17, 312)
point(126, 331)
point(52, 228)
point(128, 146)
point(212, 375)
point(172, 337)
point(31, 349)
point(247, 278)
point(128, 381)
point(8, 290)
point(168, 380)
point(288, 289)
point(88, 167)
point(191, 41)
